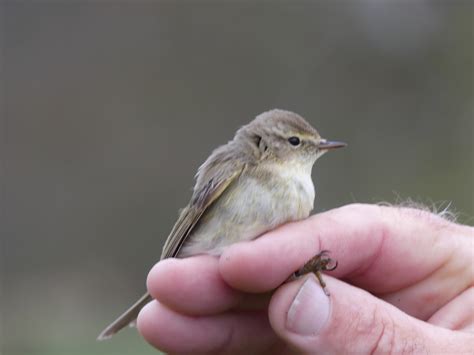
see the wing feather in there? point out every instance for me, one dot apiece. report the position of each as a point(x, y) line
point(204, 195)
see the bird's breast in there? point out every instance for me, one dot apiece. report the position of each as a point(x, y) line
point(300, 190)
point(256, 202)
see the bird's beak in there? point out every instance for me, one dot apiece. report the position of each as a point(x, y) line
point(324, 144)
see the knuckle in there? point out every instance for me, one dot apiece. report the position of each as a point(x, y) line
point(376, 332)
point(359, 327)
point(385, 341)
point(384, 336)
point(368, 330)
point(372, 212)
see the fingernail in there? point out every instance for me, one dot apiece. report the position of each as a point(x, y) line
point(310, 309)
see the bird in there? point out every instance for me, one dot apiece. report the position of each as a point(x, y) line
point(256, 182)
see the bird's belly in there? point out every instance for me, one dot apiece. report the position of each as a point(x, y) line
point(246, 210)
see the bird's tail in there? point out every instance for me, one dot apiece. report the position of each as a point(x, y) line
point(128, 317)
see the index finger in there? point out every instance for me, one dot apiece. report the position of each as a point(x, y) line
point(382, 249)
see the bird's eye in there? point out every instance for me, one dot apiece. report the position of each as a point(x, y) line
point(294, 141)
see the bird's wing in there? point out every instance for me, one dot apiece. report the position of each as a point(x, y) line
point(212, 180)
point(217, 173)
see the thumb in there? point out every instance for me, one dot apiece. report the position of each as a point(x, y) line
point(352, 321)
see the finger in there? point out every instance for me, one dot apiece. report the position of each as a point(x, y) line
point(454, 315)
point(353, 321)
point(230, 332)
point(437, 289)
point(378, 248)
point(192, 286)
point(361, 237)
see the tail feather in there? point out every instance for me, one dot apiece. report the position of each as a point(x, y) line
point(127, 318)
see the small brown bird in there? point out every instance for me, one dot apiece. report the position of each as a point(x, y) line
point(254, 183)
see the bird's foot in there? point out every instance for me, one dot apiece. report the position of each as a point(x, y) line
point(318, 263)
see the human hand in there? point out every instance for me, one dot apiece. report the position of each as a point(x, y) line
point(404, 285)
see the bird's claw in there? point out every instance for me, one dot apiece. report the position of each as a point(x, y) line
point(318, 263)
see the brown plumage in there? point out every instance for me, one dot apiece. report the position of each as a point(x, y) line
point(255, 182)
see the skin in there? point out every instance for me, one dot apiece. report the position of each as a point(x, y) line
point(404, 284)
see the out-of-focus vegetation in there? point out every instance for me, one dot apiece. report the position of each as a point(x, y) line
point(110, 107)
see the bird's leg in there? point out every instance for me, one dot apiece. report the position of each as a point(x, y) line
point(318, 263)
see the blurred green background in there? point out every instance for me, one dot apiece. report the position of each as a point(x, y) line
point(110, 107)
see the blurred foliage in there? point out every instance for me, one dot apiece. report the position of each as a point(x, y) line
point(110, 107)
